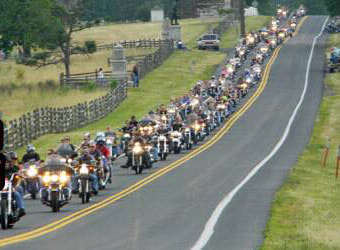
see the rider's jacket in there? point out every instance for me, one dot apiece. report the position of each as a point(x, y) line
point(104, 150)
point(30, 156)
point(87, 159)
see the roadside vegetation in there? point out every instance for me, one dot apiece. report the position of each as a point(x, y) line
point(21, 92)
point(230, 38)
point(305, 212)
point(173, 79)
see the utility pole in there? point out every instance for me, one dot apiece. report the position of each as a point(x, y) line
point(242, 17)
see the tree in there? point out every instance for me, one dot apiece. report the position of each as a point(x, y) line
point(17, 21)
point(333, 7)
point(64, 19)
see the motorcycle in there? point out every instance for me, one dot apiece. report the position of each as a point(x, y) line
point(9, 214)
point(257, 73)
point(84, 171)
point(103, 172)
point(176, 141)
point(57, 194)
point(162, 145)
point(137, 158)
point(197, 135)
point(125, 142)
point(187, 138)
point(32, 180)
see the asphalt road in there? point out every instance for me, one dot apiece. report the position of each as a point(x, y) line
point(170, 213)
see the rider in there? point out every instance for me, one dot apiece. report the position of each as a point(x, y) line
point(86, 158)
point(65, 149)
point(13, 168)
point(30, 154)
point(146, 156)
point(112, 134)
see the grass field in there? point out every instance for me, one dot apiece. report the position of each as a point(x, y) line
point(174, 78)
point(9, 71)
point(305, 212)
point(229, 39)
point(25, 100)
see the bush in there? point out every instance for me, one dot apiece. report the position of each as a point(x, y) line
point(27, 61)
point(20, 74)
point(90, 86)
point(91, 46)
point(113, 84)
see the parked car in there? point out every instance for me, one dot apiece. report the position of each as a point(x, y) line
point(209, 41)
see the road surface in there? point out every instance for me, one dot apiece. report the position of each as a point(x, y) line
point(171, 212)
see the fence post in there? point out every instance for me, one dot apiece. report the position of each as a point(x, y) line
point(326, 152)
point(337, 163)
point(61, 79)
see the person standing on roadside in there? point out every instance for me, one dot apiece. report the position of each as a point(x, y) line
point(135, 76)
point(101, 77)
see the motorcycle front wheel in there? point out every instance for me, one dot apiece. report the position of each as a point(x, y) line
point(55, 202)
point(4, 215)
point(83, 191)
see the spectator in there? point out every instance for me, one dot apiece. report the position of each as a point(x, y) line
point(101, 77)
point(135, 76)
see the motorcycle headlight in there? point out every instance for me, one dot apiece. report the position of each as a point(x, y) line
point(63, 160)
point(32, 171)
point(54, 178)
point(46, 178)
point(197, 126)
point(83, 169)
point(244, 86)
point(194, 102)
point(251, 39)
point(63, 177)
point(137, 148)
point(248, 80)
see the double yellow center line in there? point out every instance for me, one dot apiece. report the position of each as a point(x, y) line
point(138, 185)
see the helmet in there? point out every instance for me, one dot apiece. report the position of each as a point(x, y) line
point(87, 136)
point(101, 140)
point(13, 155)
point(30, 148)
point(100, 134)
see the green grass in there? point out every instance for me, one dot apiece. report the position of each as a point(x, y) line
point(173, 79)
point(229, 38)
point(24, 100)
point(305, 212)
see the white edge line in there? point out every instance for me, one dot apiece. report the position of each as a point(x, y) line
point(211, 223)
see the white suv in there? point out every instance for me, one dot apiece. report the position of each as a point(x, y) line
point(209, 41)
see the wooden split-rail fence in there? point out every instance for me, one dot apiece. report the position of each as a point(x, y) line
point(145, 64)
point(19, 132)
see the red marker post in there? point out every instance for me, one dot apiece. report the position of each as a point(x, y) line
point(337, 163)
point(326, 153)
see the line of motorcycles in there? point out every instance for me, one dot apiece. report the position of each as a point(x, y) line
point(201, 114)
